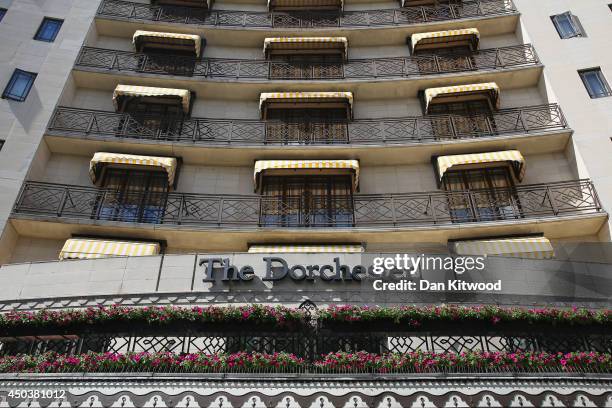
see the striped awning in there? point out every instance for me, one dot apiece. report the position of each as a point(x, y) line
point(188, 3)
point(436, 37)
point(514, 157)
point(305, 97)
point(306, 43)
point(87, 248)
point(490, 89)
point(524, 247)
point(305, 3)
point(351, 165)
point(169, 38)
point(102, 158)
point(146, 91)
point(301, 249)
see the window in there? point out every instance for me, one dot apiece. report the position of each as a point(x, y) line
point(492, 196)
point(19, 86)
point(133, 195)
point(48, 29)
point(2, 13)
point(307, 201)
point(595, 83)
point(568, 25)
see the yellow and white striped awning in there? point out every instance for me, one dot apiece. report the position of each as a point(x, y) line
point(146, 91)
point(263, 165)
point(303, 249)
point(524, 247)
point(169, 38)
point(306, 43)
point(266, 97)
point(87, 248)
point(102, 158)
point(513, 157)
point(305, 3)
point(188, 3)
point(435, 37)
point(488, 88)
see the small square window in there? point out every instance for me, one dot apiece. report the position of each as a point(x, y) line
point(2, 13)
point(19, 86)
point(595, 83)
point(48, 29)
point(568, 25)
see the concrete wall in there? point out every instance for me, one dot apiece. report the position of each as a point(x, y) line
point(590, 118)
point(22, 124)
point(524, 282)
point(213, 50)
point(87, 98)
point(71, 169)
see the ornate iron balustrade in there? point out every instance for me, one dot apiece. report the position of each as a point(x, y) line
point(307, 345)
point(408, 130)
point(557, 199)
point(371, 18)
point(396, 67)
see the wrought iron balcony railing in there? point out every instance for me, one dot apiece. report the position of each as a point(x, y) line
point(396, 67)
point(557, 199)
point(408, 130)
point(247, 19)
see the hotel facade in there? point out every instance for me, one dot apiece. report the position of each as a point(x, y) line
point(143, 141)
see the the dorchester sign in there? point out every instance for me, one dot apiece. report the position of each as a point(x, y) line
point(384, 273)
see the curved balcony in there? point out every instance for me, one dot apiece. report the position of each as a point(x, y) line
point(540, 201)
point(247, 19)
point(249, 70)
point(236, 132)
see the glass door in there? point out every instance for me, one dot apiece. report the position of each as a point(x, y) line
point(133, 196)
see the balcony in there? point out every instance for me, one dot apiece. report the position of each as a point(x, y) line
point(250, 70)
point(249, 29)
point(541, 201)
point(85, 123)
point(248, 19)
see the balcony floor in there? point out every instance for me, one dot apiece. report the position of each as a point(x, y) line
point(368, 154)
point(233, 239)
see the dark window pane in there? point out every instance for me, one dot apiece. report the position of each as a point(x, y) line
point(567, 25)
point(48, 29)
point(19, 86)
point(595, 83)
point(2, 13)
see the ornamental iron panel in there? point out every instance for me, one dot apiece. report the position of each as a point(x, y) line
point(396, 67)
point(92, 123)
point(362, 210)
point(309, 345)
point(117, 9)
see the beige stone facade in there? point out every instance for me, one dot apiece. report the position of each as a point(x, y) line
point(33, 153)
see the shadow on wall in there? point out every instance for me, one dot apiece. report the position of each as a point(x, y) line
point(25, 111)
